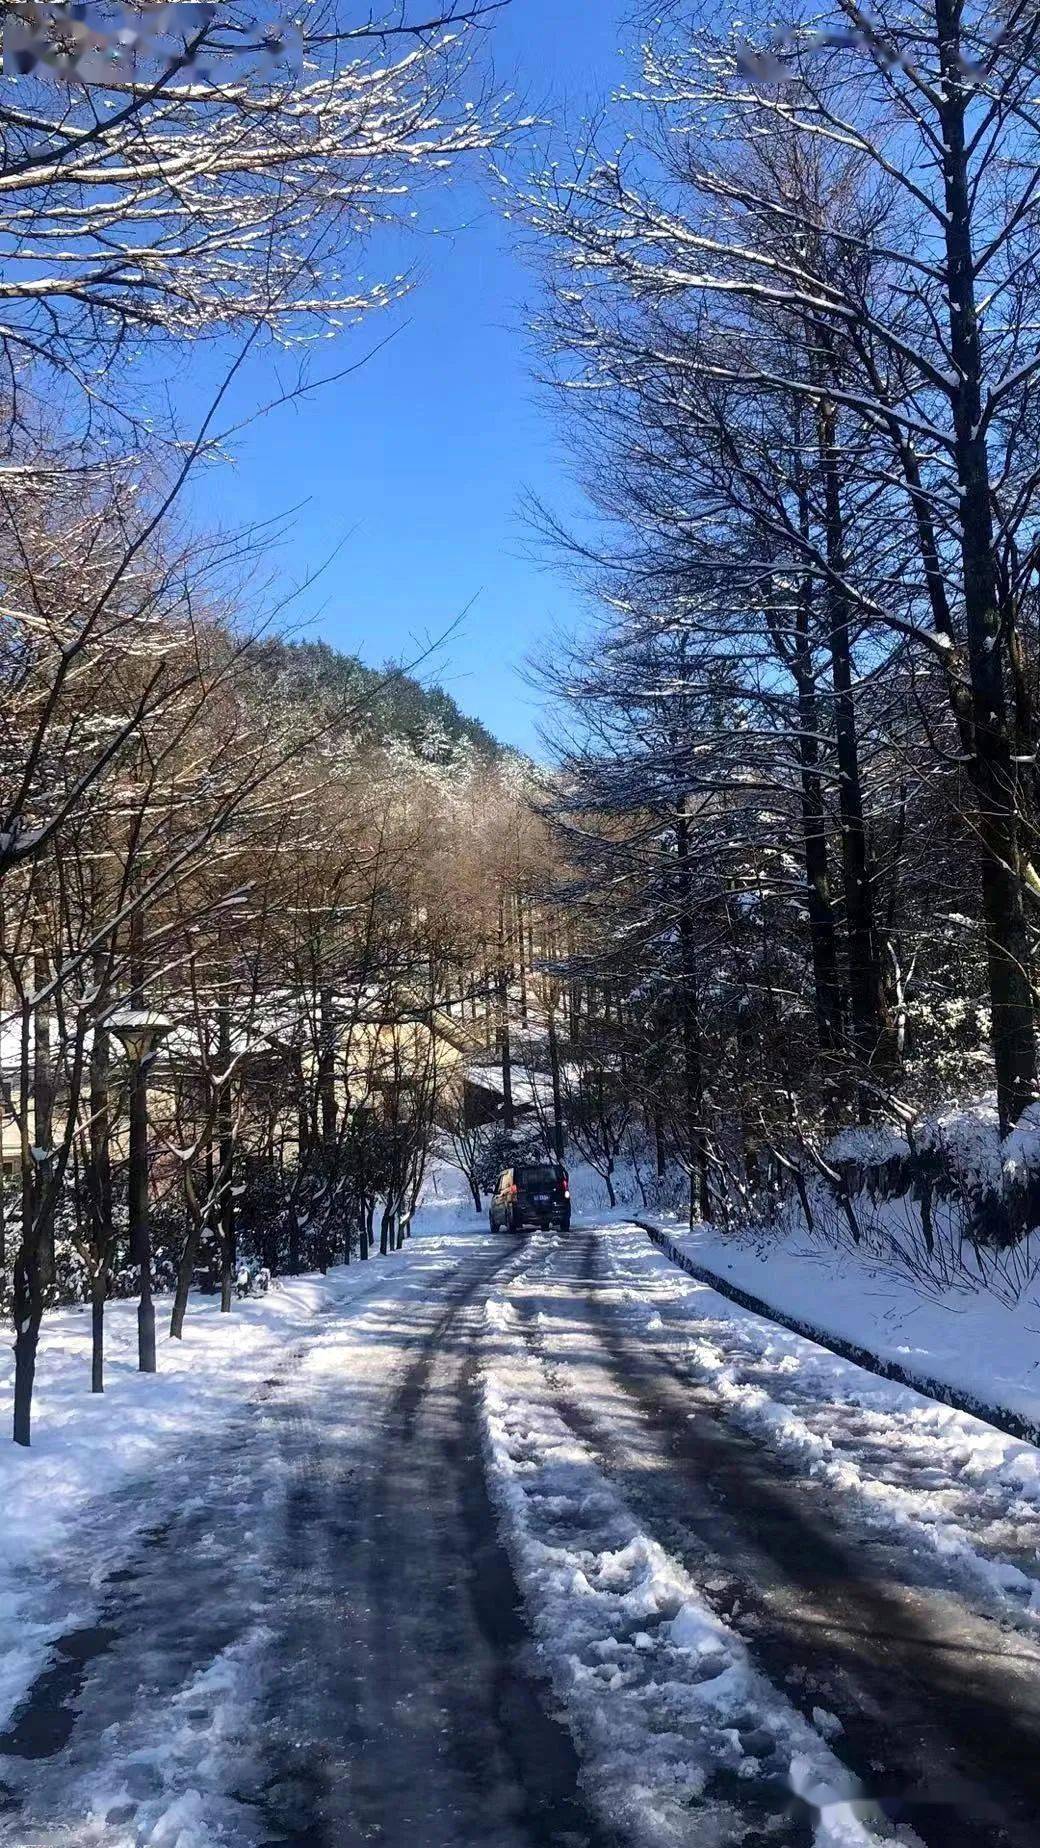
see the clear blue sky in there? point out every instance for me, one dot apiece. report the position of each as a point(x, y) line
point(415, 465)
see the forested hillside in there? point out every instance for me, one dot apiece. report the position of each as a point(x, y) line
point(387, 703)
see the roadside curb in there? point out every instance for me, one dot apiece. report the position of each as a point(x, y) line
point(998, 1416)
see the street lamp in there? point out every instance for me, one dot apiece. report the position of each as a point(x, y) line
point(141, 1033)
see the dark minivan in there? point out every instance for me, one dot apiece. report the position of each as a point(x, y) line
point(533, 1194)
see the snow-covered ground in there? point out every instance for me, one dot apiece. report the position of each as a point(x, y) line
point(309, 1638)
point(663, 1697)
point(88, 1449)
point(953, 1485)
point(984, 1350)
point(200, 1562)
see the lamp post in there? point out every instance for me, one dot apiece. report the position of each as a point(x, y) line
point(141, 1034)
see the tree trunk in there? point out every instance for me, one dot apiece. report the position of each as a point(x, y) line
point(865, 995)
point(226, 1279)
point(31, 1275)
point(522, 955)
point(327, 1071)
point(189, 1257)
point(137, 1166)
point(693, 1072)
point(508, 1112)
point(505, 1044)
point(43, 1118)
point(99, 1199)
point(995, 774)
point(98, 1294)
point(28, 1309)
point(823, 932)
point(559, 1140)
point(226, 1159)
point(30, 1284)
point(137, 1191)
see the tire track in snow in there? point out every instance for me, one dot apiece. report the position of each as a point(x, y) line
point(684, 1741)
point(940, 1479)
point(941, 1710)
point(237, 1702)
point(451, 1741)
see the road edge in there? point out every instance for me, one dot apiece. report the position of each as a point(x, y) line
point(999, 1417)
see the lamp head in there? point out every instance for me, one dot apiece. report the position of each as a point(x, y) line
point(140, 1031)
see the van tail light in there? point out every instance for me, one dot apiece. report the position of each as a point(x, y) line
point(566, 1191)
point(513, 1191)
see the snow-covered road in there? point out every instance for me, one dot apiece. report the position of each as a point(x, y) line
point(545, 1543)
point(315, 1640)
point(864, 1550)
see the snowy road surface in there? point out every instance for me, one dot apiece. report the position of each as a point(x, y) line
point(544, 1543)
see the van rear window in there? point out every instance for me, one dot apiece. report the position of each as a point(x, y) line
point(538, 1177)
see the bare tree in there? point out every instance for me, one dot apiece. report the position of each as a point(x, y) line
point(216, 179)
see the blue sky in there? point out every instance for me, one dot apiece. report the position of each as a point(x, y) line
point(414, 466)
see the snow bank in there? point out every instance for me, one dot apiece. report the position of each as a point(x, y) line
point(666, 1706)
point(947, 1200)
point(968, 1348)
point(899, 1462)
